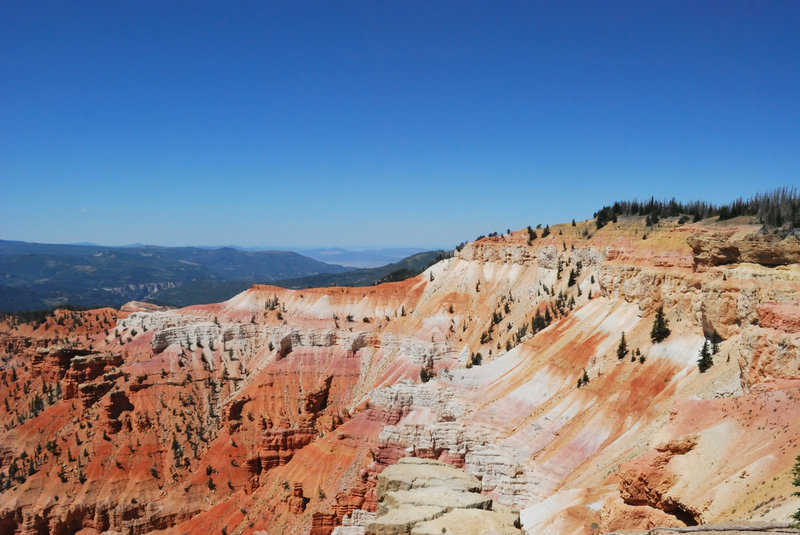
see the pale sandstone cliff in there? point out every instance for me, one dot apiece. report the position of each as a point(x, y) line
point(427, 497)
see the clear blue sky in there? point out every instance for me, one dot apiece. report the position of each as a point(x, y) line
point(382, 123)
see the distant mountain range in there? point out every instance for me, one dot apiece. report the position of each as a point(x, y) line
point(191, 293)
point(41, 276)
point(34, 275)
point(405, 268)
point(358, 258)
point(364, 258)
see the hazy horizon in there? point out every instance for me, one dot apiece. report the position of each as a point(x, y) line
point(355, 248)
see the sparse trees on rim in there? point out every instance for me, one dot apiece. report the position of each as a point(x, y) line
point(774, 208)
point(531, 235)
point(606, 215)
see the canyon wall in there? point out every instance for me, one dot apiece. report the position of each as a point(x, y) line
point(277, 411)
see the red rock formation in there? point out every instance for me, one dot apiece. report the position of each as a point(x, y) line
point(225, 416)
point(51, 363)
point(780, 316)
point(297, 502)
point(278, 446)
point(84, 369)
point(323, 523)
point(318, 399)
point(647, 481)
point(113, 406)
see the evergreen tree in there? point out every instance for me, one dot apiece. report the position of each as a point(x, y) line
point(705, 361)
point(531, 235)
point(715, 339)
point(775, 208)
point(546, 231)
point(660, 328)
point(796, 483)
point(622, 348)
point(607, 214)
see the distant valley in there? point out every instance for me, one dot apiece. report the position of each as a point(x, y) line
point(364, 258)
point(36, 276)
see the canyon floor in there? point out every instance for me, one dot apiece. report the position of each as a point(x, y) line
point(278, 410)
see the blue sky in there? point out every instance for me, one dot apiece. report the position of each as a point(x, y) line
point(382, 123)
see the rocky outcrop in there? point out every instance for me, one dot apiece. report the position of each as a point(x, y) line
point(354, 524)
point(647, 481)
point(323, 523)
point(114, 405)
point(141, 306)
point(84, 369)
point(780, 316)
point(422, 496)
point(90, 393)
point(353, 500)
point(317, 400)
point(276, 449)
point(758, 247)
point(52, 362)
point(765, 354)
point(297, 501)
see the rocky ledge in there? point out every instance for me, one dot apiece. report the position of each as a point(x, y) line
point(731, 246)
point(425, 497)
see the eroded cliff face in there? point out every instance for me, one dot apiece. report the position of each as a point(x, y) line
point(425, 497)
point(277, 410)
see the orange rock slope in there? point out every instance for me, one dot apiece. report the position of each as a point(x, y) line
point(275, 411)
